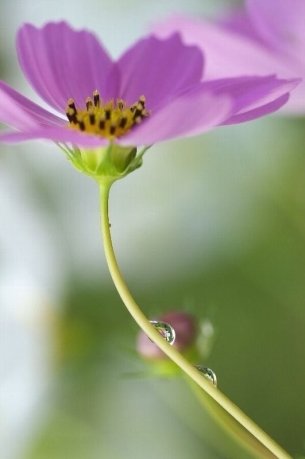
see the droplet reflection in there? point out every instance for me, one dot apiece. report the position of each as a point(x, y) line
point(165, 330)
point(208, 374)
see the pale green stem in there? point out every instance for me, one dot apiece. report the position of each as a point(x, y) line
point(171, 352)
point(241, 436)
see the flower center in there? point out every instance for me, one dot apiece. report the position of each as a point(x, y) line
point(111, 119)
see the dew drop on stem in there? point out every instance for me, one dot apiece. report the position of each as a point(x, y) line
point(207, 373)
point(165, 330)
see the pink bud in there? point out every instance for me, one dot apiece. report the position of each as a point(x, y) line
point(186, 333)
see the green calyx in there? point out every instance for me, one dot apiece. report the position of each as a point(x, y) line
point(107, 164)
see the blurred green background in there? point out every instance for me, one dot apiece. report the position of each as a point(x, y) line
point(213, 225)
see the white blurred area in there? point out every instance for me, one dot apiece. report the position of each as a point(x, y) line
point(31, 281)
point(167, 208)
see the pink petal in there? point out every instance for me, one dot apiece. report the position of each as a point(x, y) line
point(258, 112)
point(230, 51)
point(226, 53)
point(13, 115)
point(56, 134)
point(19, 112)
point(158, 69)
point(60, 63)
point(237, 21)
point(192, 113)
point(213, 103)
point(251, 93)
point(281, 23)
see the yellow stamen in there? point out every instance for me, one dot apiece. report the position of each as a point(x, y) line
point(111, 119)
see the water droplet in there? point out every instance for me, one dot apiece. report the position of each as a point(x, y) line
point(208, 374)
point(165, 330)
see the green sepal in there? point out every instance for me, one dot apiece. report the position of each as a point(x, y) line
point(121, 157)
point(105, 164)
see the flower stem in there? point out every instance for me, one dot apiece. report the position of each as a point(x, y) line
point(241, 436)
point(171, 352)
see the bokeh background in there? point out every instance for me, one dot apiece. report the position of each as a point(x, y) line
point(213, 225)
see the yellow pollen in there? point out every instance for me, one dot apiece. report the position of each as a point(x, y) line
point(111, 119)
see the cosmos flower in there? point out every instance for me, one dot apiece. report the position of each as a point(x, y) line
point(261, 38)
point(153, 92)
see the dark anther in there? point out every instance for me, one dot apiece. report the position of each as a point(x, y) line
point(102, 124)
point(71, 104)
point(138, 111)
point(112, 130)
point(71, 115)
point(123, 122)
point(89, 103)
point(142, 101)
point(81, 125)
point(96, 99)
point(120, 105)
point(92, 118)
point(107, 113)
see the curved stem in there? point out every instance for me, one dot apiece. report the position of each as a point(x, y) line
point(240, 435)
point(171, 352)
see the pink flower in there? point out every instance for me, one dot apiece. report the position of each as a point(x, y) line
point(264, 37)
point(152, 93)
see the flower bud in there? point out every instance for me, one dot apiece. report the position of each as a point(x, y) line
point(186, 334)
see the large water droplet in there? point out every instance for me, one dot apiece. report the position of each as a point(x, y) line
point(208, 374)
point(165, 330)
